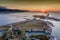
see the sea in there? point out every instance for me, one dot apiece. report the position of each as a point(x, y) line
point(8, 18)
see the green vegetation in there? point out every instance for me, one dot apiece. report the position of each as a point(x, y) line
point(12, 35)
point(22, 36)
point(26, 25)
point(41, 37)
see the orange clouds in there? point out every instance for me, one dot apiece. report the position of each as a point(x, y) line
point(34, 6)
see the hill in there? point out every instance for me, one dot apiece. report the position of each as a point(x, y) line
point(6, 10)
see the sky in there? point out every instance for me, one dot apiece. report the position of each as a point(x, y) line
point(35, 5)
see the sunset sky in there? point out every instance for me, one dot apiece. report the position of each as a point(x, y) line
point(31, 4)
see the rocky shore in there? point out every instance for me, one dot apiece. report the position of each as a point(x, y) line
point(18, 31)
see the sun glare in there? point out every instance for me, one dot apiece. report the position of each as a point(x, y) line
point(43, 11)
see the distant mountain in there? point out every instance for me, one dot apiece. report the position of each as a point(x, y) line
point(5, 10)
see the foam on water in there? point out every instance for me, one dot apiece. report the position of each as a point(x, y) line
point(16, 17)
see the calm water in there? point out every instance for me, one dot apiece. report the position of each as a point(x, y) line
point(17, 17)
